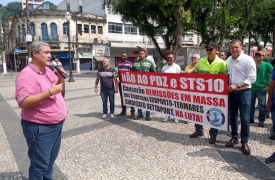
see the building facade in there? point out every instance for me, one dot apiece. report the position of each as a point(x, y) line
point(32, 4)
point(122, 36)
point(51, 26)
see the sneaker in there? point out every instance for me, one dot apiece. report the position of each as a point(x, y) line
point(112, 116)
point(176, 120)
point(271, 159)
point(165, 119)
point(261, 124)
point(121, 114)
point(267, 116)
point(104, 116)
point(139, 116)
point(272, 137)
point(148, 118)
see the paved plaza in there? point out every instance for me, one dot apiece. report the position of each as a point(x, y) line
point(97, 149)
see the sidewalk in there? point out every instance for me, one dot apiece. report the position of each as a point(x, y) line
point(93, 148)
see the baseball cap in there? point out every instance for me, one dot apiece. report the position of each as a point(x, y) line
point(212, 45)
point(261, 53)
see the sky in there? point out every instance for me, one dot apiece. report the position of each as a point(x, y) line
point(5, 2)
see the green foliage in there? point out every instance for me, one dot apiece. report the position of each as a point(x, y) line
point(52, 6)
point(10, 9)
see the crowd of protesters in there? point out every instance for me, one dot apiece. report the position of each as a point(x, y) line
point(249, 79)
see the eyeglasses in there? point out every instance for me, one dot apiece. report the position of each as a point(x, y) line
point(209, 49)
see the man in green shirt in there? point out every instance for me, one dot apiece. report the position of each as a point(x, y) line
point(143, 65)
point(260, 87)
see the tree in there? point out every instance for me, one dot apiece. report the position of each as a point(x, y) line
point(11, 9)
point(151, 16)
point(52, 6)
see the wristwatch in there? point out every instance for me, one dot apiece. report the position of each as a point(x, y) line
point(238, 86)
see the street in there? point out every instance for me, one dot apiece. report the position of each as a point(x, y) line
point(109, 149)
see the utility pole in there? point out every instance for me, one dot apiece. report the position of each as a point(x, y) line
point(76, 46)
point(28, 35)
point(3, 48)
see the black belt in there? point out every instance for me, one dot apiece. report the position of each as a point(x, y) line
point(242, 90)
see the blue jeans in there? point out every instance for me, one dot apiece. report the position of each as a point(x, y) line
point(104, 96)
point(241, 101)
point(212, 131)
point(140, 112)
point(261, 96)
point(273, 117)
point(43, 146)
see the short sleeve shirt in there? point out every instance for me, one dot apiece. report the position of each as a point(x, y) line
point(145, 66)
point(106, 77)
point(175, 68)
point(218, 66)
point(31, 81)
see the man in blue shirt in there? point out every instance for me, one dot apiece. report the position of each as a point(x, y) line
point(270, 105)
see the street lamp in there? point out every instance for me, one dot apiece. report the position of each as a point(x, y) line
point(68, 18)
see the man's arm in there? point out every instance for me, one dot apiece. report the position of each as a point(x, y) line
point(96, 83)
point(33, 100)
point(116, 84)
point(152, 67)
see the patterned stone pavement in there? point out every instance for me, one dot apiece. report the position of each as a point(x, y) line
point(121, 148)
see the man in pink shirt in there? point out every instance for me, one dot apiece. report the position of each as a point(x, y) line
point(38, 94)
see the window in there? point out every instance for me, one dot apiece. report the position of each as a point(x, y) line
point(93, 29)
point(130, 29)
point(188, 37)
point(198, 40)
point(53, 32)
point(115, 28)
point(159, 32)
point(32, 26)
point(44, 32)
point(99, 29)
point(68, 7)
point(65, 29)
point(24, 29)
point(79, 28)
point(86, 28)
point(80, 8)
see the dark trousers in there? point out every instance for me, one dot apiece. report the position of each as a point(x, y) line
point(121, 98)
point(241, 101)
point(43, 146)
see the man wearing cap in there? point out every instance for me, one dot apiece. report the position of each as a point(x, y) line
point(211, 64)
point(242, 74)
point(260, 87)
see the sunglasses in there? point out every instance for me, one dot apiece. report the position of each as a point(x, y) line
point(259, 55)
point(209, 49)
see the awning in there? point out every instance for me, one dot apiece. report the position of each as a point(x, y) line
point(99, 58)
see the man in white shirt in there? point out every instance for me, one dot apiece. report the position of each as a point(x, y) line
point(242, 73)
point(171, 67)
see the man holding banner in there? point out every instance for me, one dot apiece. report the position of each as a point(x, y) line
point(143, 65)
point(211, 64)
point(171, 67)
point(242, 73)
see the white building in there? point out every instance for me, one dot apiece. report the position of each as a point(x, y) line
point(32, 4)
point(51, 26)
point(121, 37)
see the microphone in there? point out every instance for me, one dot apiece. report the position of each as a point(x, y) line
point(60, 72)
